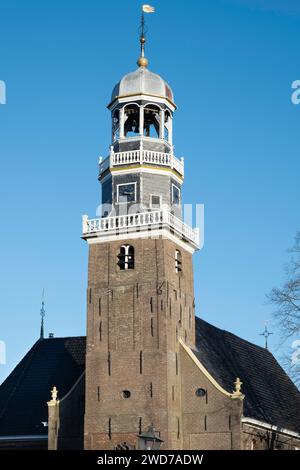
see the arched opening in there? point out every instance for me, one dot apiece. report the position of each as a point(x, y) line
point(178, 262)
point(168, 126)
point(115, 125)
point(126, 257)
point(131, 120)
point(151, 120)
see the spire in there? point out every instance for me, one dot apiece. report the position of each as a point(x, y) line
point(42, 313)
point(142, 60)
point(266, 333)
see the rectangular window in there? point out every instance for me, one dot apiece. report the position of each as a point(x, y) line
point(175, 195)
point(126, 193)
point(155, 201)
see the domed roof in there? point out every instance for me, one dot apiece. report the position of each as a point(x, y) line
point(142, 81)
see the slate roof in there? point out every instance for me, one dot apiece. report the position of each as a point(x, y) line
point(25, 392)
point(270, 394)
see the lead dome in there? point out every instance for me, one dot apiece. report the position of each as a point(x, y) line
point(142, 81)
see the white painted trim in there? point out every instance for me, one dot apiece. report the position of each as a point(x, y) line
point(271, 427)
point(204, 370)
point(155, 233)
point(126, 184)
point(166, 172)
point(141, 97)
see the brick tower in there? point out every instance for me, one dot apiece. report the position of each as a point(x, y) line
point(140, 299)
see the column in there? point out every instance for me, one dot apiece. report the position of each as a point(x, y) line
point(162, 124)
point(141, 120)
point(122, 123)
point(170, 129)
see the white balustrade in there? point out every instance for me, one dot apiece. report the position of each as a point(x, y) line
point(140, 157)
point(124, 222)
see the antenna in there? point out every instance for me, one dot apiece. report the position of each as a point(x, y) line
point(266, 334)
point(42, 313)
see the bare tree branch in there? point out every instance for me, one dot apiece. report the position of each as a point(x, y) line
point(286, 300)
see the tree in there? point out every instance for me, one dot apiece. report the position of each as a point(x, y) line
point(286, 300)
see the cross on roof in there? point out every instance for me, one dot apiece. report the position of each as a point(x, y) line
point(266, 333)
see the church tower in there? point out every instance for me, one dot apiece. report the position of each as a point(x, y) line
point(140, 297)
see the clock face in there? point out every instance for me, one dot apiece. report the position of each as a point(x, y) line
point(126, 192)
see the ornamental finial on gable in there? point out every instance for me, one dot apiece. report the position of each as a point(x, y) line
point(237, 391)
point(54, 393)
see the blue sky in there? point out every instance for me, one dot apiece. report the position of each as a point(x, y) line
point(230, 64)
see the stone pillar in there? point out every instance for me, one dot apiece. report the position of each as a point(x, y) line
point(53, 420)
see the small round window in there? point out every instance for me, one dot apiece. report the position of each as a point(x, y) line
point(126, 394)
point(200, 392)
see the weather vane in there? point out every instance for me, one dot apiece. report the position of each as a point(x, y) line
point(42, 313)
point(266, 334)
point(142, 61)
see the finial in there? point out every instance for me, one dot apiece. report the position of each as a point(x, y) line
point(142, 60)
point(237, 389)
point(266, 334)
point(42, 313)
point(54, 393)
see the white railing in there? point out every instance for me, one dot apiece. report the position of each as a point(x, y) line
point(140, 157)
point(121, 223)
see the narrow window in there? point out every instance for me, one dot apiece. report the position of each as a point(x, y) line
point(126, 257)
point(178, 262)
point(109, 428)
point(100, 331)
point(178, 428)
point(140, 425)
point(98, 393)
point(109, 364)
point(99, 307)
point(151, 389)
point(141, 362)
point(152, 332)
point(170, 309)
point(161, 304)
point(175, 195)
point(205, 423)
point(137, 290)
point(176, 363)
point(151, 305)
point(229, 421)
point(173, 392)
point(90, 295)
